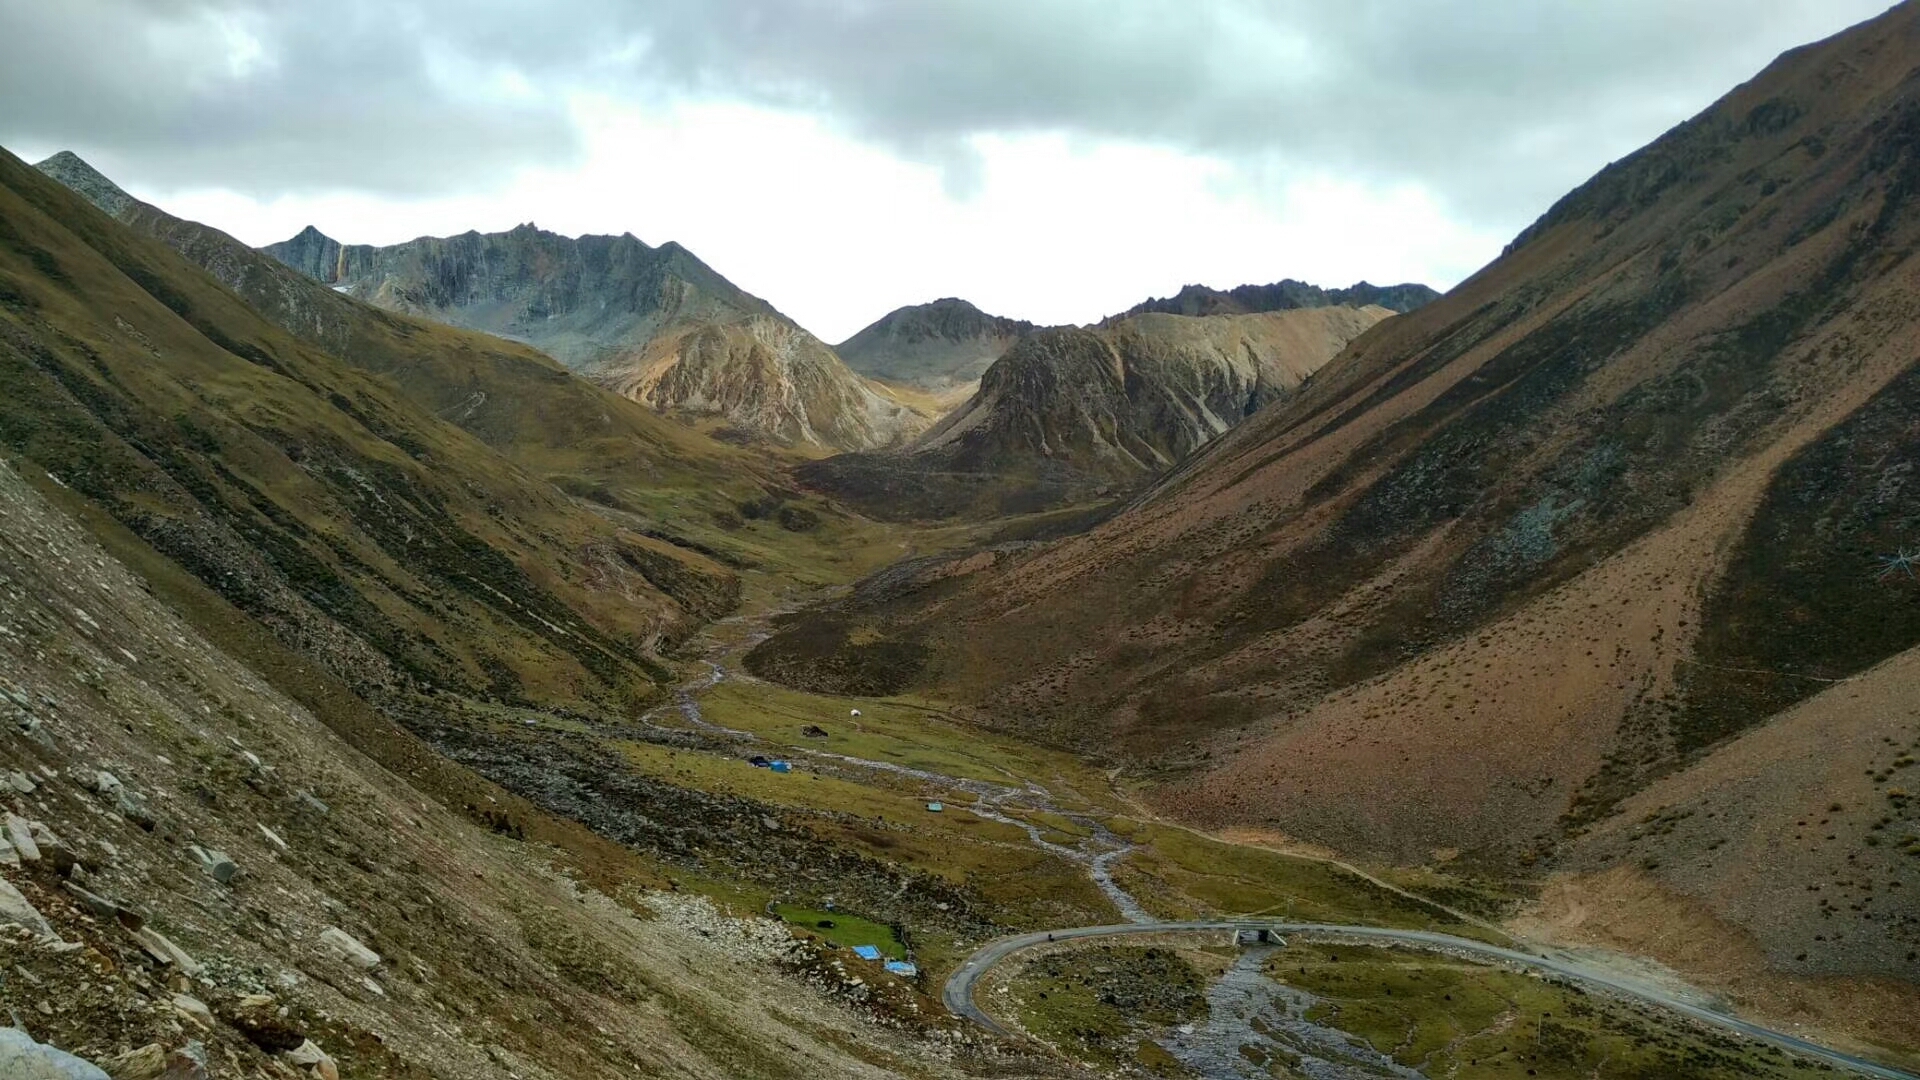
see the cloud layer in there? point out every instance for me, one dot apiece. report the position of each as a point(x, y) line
point(1485, 103)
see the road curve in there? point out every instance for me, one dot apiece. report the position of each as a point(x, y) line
point(958, 993)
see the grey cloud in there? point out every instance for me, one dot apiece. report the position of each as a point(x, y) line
point(1496, 105)
point(338, 96)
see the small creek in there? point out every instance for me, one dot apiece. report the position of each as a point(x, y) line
point(1253, 1022)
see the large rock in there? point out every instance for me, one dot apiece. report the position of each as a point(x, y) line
point(17, 911)
point(20, 834)
point(348, 949)
point(161, 948)
point(23, 1059)
point(216, 863)
point(310, 1055)
point(103, 908)
point(53, 849)
point(155, 1062)
point(133, 806)
point(193, 1009)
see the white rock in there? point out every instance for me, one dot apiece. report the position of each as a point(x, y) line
point(20, 832)
point(307, 1054)
point(149, 1062)
point(272, 837)
point(21, 782)
point(104, 783)
point(52, 848)
point(153, 1062)
point(165, 951)
point(347, 948)
point(193, 1009)
point(15, 909)
point(23, 1059)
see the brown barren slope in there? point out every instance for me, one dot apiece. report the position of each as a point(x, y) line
point(1515, 556)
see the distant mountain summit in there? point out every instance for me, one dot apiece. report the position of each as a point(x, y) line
point(654, 322)
point(934, 346)
point(1070, 413)
point(87, 182)
point(1285, 295)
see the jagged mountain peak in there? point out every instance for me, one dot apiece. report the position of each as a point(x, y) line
point(656, 323)
point(90, 183)
point(1283, 295)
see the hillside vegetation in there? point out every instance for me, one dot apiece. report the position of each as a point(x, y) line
point(1565, 545)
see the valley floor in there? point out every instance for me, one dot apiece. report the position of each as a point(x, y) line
point(702, 923)
point(1148, 871)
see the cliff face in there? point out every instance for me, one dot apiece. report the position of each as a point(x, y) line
point(608, 306)
point(936, 346)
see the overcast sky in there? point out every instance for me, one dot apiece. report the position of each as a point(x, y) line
point(1056, 160)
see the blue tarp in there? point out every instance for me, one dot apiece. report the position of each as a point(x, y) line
point(866, 952)
point(901, 967)
point(781, 766)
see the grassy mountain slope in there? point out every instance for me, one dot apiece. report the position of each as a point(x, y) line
point(712, 500)
point(309, 544)
point(1072, 413)
point(498, 959)
point(308, 492)
point(1620, 497)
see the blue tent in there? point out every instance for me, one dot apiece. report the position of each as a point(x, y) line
point(781, 766)
point(901, 967)
point(866, 952)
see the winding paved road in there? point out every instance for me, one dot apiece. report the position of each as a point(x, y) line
point(958, 993)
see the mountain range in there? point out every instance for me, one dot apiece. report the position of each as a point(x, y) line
point(372, 615)
point(1283, 296)
point(1071, 414)
point(654, 323)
